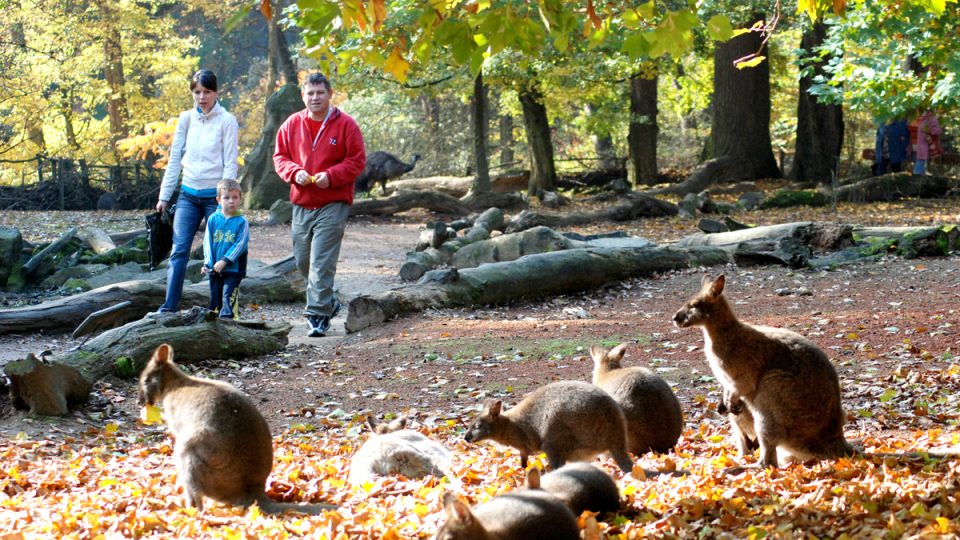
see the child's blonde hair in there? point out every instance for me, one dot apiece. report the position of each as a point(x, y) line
point(226, 186)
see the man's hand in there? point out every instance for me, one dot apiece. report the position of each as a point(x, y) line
point(219, 266)
point(302, 178)
point(162, 206)
point(322, 180)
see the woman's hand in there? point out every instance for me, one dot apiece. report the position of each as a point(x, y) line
point(162, 206)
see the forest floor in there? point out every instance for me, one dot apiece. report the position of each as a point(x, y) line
point(889, 327)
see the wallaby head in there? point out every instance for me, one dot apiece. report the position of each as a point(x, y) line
point(604, 361)
point(704, 306)
point(484, 425)
point(157, 376)
point(395, 425)
point(461, 523)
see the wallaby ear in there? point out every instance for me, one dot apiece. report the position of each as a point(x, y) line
point(597, 352)
point(163, 354)
point(533, 478)
point(457, 511)
point(705, 281)
point(617, 352)
point(492, 408)
point(372, 424)
point(716, 287)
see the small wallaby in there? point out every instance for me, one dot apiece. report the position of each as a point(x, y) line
point(524, 514)
point(786, 382)
point(395, 450)
point(741, 422)
point(580, 486)
point(569, 420)
point(223, 448)
point(653, 413)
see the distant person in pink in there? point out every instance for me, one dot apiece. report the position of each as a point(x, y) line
point(928, 133)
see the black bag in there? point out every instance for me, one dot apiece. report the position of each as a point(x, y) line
point(160, 235)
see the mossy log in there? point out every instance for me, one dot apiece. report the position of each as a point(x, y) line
point(544, 274)
point(45, 388)
point(635, 206)
point(194, 334)
point(895, 186)
point(267, 285)
point(41, 265)
point(908, 242)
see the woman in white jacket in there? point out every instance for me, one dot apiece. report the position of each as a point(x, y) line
point(204, 149)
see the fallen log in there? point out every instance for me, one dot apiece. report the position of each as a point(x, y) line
point(195, 334)
point(505, 201)
point(40, 264)
point(635, 206)
point(408, 200)
point(268, 285)
point(895, 186)
point(46, 389)
point(708, 173)
point(544, 274)
point(99, 241)
point(459, 186)
point(908, 242)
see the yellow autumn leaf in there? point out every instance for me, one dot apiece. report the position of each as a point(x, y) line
point(396, 65)
point(111, 428)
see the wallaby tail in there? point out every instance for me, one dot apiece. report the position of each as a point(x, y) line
point(623, 460)
point(270, 506)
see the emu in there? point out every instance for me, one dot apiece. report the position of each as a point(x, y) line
point(382, 166)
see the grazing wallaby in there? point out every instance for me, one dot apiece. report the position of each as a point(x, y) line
point(785, 380)
point(394, 450)
point(741, 422)
point(569, 420)
point(652, 410)
point(222, 449)
point(580, 486)
point(524, 514)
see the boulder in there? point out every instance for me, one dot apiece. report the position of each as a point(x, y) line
point(11, 247)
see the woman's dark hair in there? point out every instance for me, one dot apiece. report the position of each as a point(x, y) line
point(318, 79)
point(204, 78)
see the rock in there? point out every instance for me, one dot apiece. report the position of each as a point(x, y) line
point(281, 212)
point(688, 205)
point(81, 271)
point(11, 247)
point(711, 226)
point(751, 199)
point(122, 255)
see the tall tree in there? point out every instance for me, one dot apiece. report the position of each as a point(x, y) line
point(543, 174)
point(819, 125)
point(113, 73)
point(642, 134)
point(741, 108)
point(481, 182)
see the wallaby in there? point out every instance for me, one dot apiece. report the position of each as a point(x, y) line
point(741, 422)
point(569, 420)
point(394, 450)
point(653, 413)
point(785, 380)
point(223, 448)
point(580, 486)
point(524, 514)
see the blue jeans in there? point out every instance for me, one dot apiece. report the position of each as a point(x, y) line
point(186, 221)
point(920, 166)
point(225, 294)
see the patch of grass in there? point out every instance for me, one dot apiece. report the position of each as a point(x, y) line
point(458, 349)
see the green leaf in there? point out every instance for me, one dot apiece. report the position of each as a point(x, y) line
point(887, 395)
point(236, 19)
point(719, 27)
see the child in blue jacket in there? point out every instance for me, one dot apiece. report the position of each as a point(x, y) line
point(225, 250)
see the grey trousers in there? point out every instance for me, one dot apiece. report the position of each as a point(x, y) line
point(317, 235)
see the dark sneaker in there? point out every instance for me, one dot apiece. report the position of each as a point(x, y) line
point(323, 326)
point(336, 308)
point(314, 323)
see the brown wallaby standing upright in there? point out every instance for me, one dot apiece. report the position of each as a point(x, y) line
point(223, 448)
point(395, 450)
point(524, 514)
point(741, 422)
point(653, 413)
point(580, 486)
point(787, 383)
point(569, 420)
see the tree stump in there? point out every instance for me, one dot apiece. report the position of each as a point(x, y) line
point(47, 389)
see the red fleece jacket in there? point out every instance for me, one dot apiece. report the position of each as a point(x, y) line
point(339, 153)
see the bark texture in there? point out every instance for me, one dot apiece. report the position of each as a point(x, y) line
point(481, 183)
point(642, 135)
point(543, 174)
point(262, 185)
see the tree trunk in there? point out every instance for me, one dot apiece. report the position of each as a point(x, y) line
point(543, 175)
point(819, 126)
point(195, 334)
point(741, 110)
point(637, 205)
point(569, 271)
point(113, 73)
point(481, 183)
point(269, 285)
point(34, 126)
point(259, 179)
point(506, 140)
point(642, 137)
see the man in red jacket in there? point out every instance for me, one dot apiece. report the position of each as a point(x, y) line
point(319, 153)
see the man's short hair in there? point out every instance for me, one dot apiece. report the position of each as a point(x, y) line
point(317, 79)
point(226, 186)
